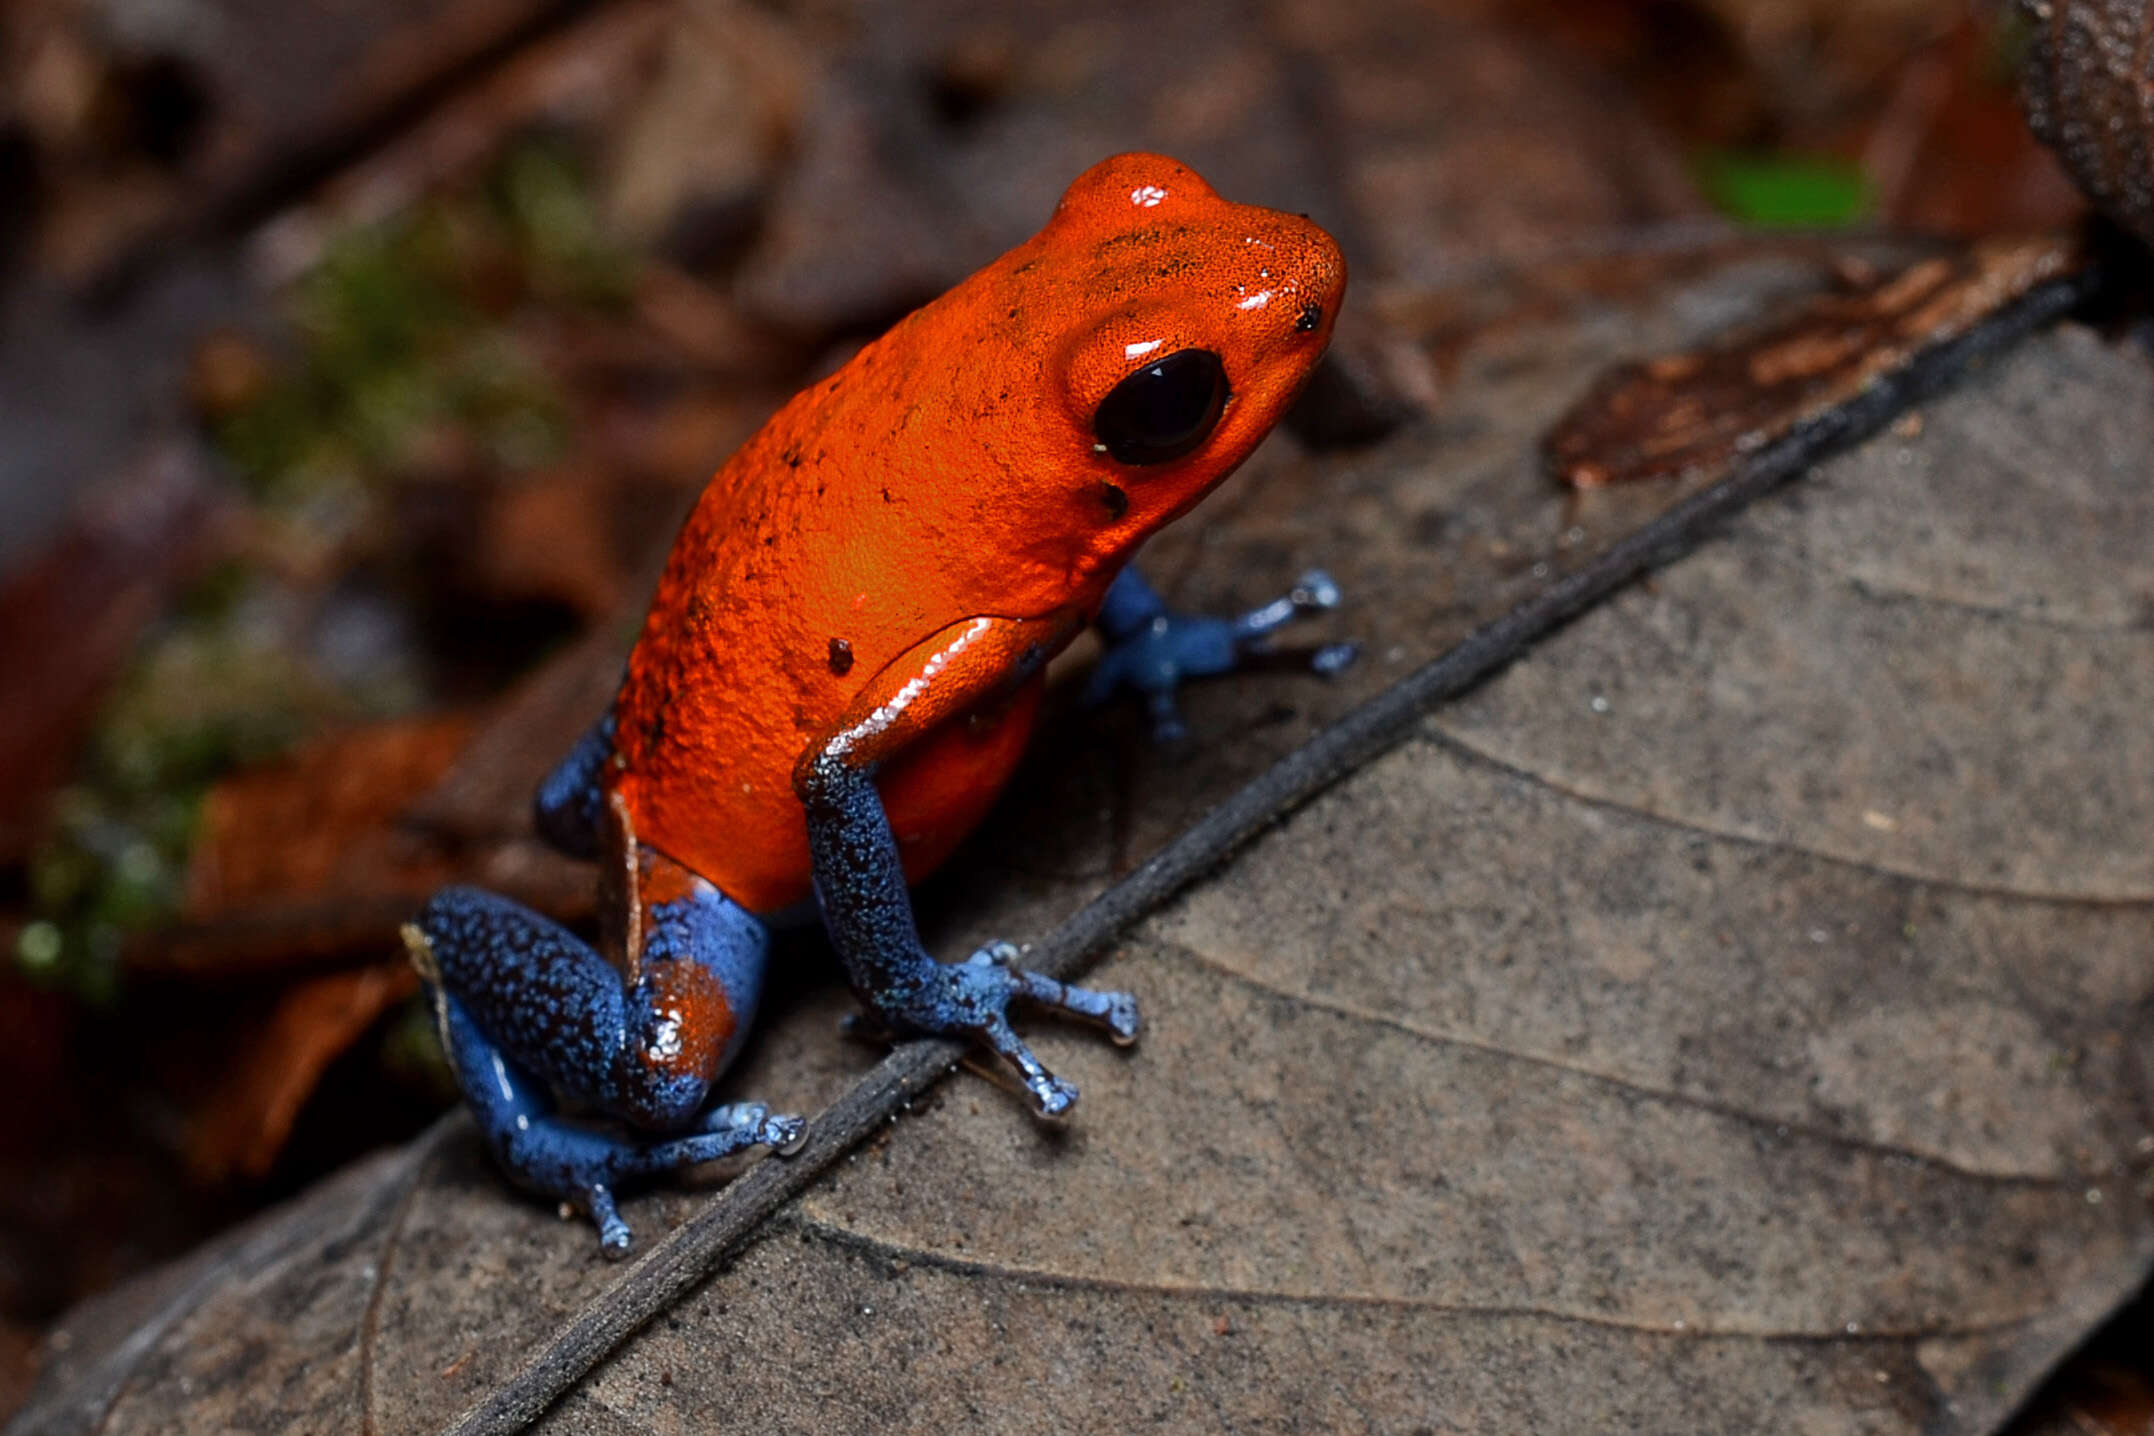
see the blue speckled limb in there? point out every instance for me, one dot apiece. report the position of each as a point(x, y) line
point(566, 806)
point(1151, 649)
point(531, 1015)
point(860, 885)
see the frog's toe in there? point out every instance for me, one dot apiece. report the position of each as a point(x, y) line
point(1333, 658)
point(787, 1135)
point(753, 1124)
point(614, 1237)
point(1314, 592)
point(1169, 730)
point(972, 999)
point(1121, 1019)
point(783, 1132)
point(1052, 1097)
point(1115, 1011)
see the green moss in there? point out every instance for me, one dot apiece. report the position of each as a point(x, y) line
point(1778, 191)
point(200, 701)
point(404, 332)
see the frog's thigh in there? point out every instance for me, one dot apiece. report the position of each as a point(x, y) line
point(645, 1051)
point(530, 1013)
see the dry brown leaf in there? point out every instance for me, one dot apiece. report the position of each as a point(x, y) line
point(944, 132)
point(570, 77)
point(1578, 1064)
point(2095, 1399)
point(303, 861)
point(69, 620)
point(1701, 411)
point(549, 536)
point(280, 91)
point(318, 821)
point(2084, 77)
point(241, 1125)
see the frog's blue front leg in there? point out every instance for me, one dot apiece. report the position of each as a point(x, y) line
point(1152, 650)
point(532, 1016)
point(860, 885)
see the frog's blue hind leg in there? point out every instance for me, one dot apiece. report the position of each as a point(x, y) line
point(532, 1015)
point(1151, 649)
point(567, 806)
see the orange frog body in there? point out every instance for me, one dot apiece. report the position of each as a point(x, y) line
point(843, 662)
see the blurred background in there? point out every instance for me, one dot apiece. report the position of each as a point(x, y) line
point(357, 360)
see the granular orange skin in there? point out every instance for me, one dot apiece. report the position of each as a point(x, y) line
point(948, 473)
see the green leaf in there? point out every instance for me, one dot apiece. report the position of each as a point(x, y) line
point(1786, 191)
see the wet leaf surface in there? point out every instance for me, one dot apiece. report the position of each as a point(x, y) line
point(1732, 1018)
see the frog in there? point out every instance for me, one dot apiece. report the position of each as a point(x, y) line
point(842, 663)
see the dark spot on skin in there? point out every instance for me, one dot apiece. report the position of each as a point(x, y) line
point(1114, 498)
point(1137, 239)
point(886, 496)
point(791, 456)
point(1312, 314)
point(841, 657)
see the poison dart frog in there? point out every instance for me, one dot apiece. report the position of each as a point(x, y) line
point(844, 658)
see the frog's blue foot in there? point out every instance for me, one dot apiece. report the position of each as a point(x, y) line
point(860, 884)
point(972, 999)
point(530, 1016)
point(1152, 650)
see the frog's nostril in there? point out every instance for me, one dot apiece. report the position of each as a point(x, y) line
point(1312, 314)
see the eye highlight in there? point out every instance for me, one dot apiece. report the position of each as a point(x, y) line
point(1164, 410)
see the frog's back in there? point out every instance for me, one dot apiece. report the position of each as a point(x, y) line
point(804, 570)
point(950, 471)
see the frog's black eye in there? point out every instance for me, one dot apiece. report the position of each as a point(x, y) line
point(1164, 410)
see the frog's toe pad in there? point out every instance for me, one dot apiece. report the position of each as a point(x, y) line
point(785, 1134)
point(1334, 658)
point(1314, 592)
point(1121, 1018)
point(753, 1124)
point(614, 1237)
point(1052, 1098)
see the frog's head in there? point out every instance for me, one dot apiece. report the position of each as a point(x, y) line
point(1173, 329)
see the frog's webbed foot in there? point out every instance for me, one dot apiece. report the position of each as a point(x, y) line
point(972, 999)
point(579, 1164)
point(531, 1015)
point(1152, 650)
